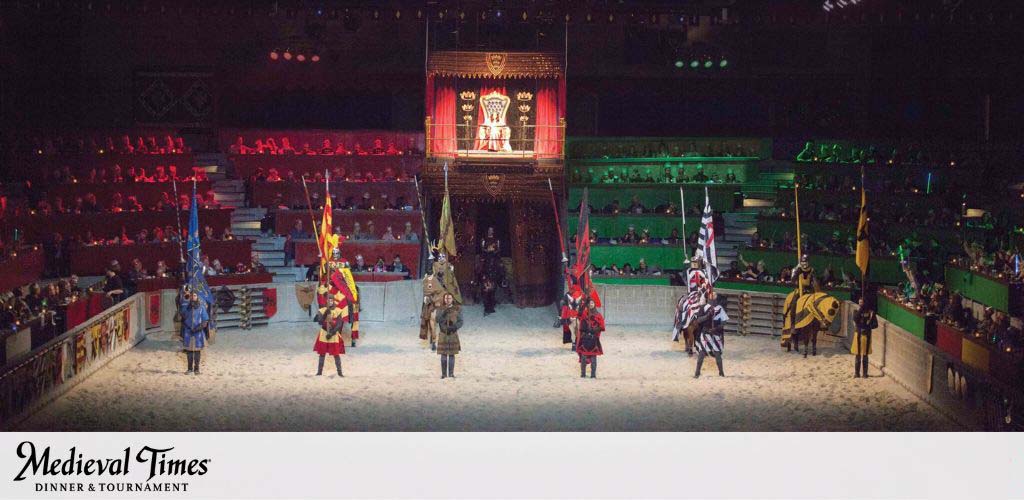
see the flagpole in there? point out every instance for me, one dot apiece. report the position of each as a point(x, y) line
point(682, 209)
point(707, 256)
point(319, 240)
point(799, 247)
point(863, 208)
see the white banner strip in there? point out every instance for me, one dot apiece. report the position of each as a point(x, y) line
point(510, 465)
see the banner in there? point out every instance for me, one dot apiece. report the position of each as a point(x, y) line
point(153, 309)
point(58, 362)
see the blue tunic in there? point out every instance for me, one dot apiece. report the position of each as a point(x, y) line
point(194, 320)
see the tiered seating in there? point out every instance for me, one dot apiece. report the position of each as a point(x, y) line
point(635, 183)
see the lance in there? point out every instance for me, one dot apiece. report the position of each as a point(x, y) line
point(423, 216)
point(682, 209)
point(177, 219)
point(312, 219)
point(799, 248)
point(558, 224)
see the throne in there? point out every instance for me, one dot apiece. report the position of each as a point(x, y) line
point(493, 134)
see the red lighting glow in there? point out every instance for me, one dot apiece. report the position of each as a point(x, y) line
point(315, 58)
point(274, 55)
point(287, 55)
point(301, 57)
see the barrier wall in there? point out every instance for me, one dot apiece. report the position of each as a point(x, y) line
point(962, 393)
point(51, 370)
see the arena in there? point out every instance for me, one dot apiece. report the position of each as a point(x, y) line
point(512, 376)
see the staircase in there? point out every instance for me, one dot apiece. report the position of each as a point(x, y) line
point(739, 226)
point(216, 165)
point(245, 222)
point(761, 314)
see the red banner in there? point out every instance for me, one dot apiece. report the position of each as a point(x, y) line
point(270, 302)
point(153, 311)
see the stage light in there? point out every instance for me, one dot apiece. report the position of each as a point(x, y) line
point(694, 64)
point(315, 58)
point(708, 63)
point(723, 63)
point(287, 55)
point(301, 58)
point(274, 55)
point(398, 14)
point(680, 63)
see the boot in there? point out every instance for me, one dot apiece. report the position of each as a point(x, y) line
point(865, 368)
point(583, 367)
point(451, 365)
point(433, 346)
point(593, 367)
point(444, 367)
point(700, 361)
point(189, 358)
point(721, 371)
point(197, 356)
point(337, 364)
point(320, 365)
point(353, 342)
point(856, 367)
point(573, 347)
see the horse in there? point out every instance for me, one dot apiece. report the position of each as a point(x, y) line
point(687, 306)
point(810, 314)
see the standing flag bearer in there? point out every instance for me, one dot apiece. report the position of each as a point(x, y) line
point(866, 320)
point(196, 298)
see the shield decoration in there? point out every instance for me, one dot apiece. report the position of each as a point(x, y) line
point(225, 299)
point(493, 183)
point(270, 302)
point(496, 62)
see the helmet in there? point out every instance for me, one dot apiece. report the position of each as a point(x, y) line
point(804, 263)
point(336, 253)
point(695, 262)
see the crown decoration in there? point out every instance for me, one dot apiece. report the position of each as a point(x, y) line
point(467, 95)
point(524, 108)
point(467, 107)
point(524, 96)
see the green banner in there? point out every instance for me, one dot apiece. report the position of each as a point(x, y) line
point(661, 226)
point(911, 321)
point(979, 288)
point(653, 195)
point(883, 269)
point(663, 256)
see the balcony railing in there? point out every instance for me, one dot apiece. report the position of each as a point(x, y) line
point(447, 140)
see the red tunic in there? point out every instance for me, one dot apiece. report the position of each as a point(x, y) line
point(329, 347)
point(591, 320)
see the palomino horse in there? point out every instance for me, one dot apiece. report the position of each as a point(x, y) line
point(804, 318)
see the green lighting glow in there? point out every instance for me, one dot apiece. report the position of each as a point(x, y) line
point(680, 63)
point(724, 63)
point(707, 64)
point(694, 64)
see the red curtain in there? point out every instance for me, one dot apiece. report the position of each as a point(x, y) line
point(548, 135)
point(443, 121)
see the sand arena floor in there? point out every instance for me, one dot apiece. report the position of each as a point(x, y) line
point(513, 375)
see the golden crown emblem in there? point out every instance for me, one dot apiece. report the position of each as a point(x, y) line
point(524, 96)
point(467, 95)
